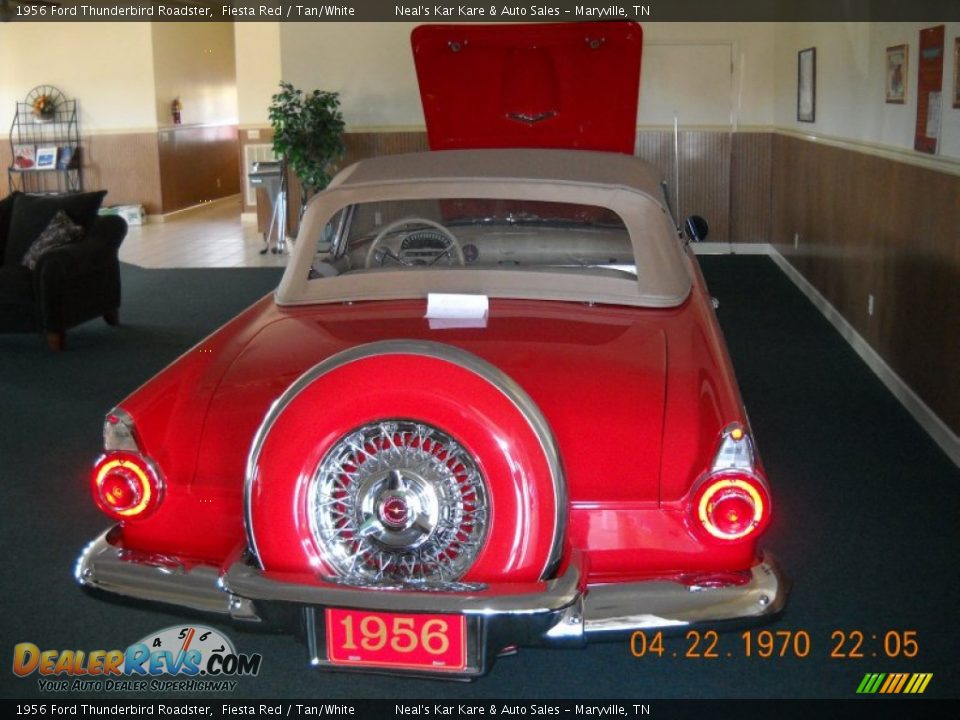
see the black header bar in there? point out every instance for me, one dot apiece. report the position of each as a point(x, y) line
point(875, 709)
point(487, 12)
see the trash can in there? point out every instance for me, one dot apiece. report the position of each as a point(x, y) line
point(268, 175)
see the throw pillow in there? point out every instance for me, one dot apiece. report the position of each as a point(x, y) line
point(59, 232)
point(32, 214)
point(6, 210)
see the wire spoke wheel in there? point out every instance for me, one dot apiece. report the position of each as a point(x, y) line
point(398, 502)
point(406, 484)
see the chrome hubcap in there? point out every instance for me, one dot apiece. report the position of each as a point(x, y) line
point(398, 508)
point(398, 502)
point(394, 512)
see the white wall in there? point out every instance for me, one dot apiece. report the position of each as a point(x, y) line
point(195, 62)
point(124, 75)
point(257, 47)
point(851, 66)
point(371, 66)
point(687, 67)
point(107, 67)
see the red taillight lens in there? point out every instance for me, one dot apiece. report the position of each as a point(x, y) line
point(731, 505)
point(125, 485)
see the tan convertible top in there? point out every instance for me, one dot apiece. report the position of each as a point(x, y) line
point(562, 166)
point(624, 184)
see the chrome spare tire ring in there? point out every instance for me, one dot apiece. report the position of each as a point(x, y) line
point(398, 501)
point(443, 388)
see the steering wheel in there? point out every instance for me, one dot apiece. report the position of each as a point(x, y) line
point(454, 244)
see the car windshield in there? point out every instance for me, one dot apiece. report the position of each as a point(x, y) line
point(473, 232)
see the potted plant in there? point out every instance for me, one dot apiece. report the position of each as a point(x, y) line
point(307, 135)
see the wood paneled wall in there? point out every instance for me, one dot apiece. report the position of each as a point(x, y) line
point(704, 173)
point(725, 177)
point(750, 193)
point(870, 225)
point(198, 164)
point(371, 144)
point(164, 171)
point(126, 166)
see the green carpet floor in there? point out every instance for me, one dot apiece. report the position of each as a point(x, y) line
point(867, 519)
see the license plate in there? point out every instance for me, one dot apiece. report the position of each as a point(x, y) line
point(396, 640)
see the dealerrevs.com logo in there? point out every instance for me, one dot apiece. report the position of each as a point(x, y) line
point(198, 657)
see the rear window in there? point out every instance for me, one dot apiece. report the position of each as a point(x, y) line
point(473, 232)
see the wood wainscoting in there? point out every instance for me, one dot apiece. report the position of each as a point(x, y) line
point(871, 225)
point(704, 187)
point(724, 176)
point(126, 165)
point(165, 170)
point(197, 164)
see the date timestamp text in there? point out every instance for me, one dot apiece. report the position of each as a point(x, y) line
point(764, 644)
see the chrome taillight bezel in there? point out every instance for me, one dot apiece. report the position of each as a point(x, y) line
point(734, 472)
point(119, 432)
point(123, 454)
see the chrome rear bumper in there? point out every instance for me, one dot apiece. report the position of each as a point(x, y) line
point(563, 612)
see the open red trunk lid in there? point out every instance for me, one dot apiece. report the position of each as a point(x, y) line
point(551, 85)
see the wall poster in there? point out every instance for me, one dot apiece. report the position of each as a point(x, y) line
point(929, 89)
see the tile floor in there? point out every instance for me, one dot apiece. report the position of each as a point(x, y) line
point(209, 236)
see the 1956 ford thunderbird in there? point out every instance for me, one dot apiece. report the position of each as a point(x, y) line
point(488, 406)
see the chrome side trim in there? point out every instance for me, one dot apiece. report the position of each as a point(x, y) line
point(615, 609)
point(492, 374)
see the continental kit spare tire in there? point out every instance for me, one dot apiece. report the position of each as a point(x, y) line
point(410, 463)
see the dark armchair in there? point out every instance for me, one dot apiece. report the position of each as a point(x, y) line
point(69, 284)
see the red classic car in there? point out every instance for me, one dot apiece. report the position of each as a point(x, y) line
point(488, 406)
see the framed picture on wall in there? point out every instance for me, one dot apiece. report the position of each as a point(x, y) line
point(897, 74)
point(956, 72)
point(807, 85)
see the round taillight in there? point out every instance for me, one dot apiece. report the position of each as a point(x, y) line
point(125, 485)
point(731, 505)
